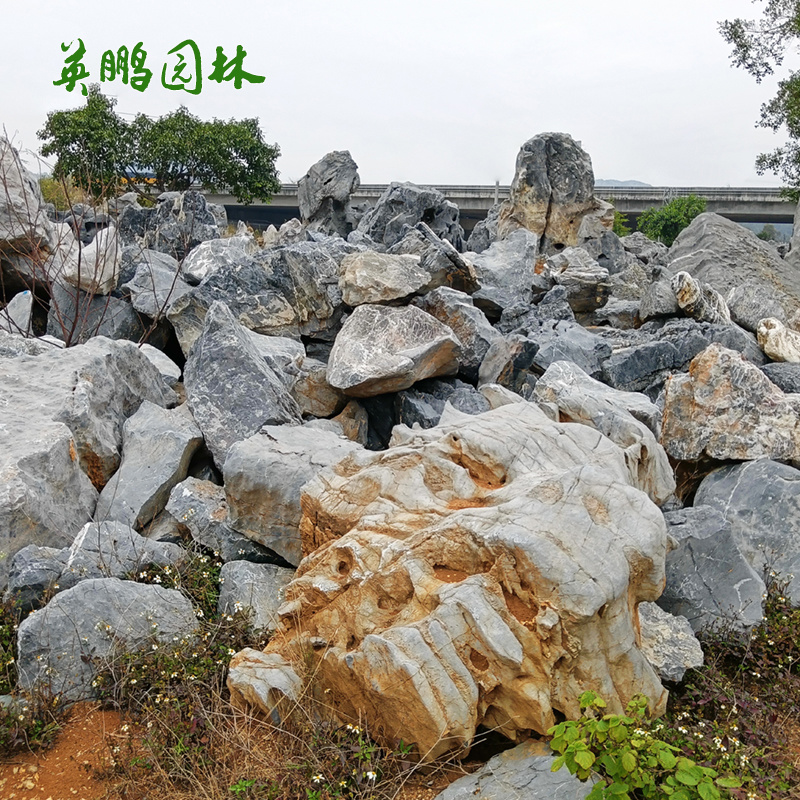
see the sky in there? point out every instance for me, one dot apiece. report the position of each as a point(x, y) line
point(428, 91)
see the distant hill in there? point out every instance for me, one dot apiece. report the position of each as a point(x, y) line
point(609, 182)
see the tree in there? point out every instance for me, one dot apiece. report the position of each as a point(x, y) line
point(759, 46)
point(665, 223)
point(98, 149)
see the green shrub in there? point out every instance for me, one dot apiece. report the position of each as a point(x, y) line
point(665, 223)
point(620, 224)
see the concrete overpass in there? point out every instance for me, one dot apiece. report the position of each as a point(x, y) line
point(741, 204)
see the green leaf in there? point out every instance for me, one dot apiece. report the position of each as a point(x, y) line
point(729, 782)
point(687, 777)
point(667, 759)
point(707, 791)
point(585, 759)
point(629, 761)
point(557, 764)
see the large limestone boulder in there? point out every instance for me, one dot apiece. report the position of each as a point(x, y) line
point(371, 277)
point(551, 193)
point(61, 646)
point(578, 398)
point(264, 476)
point(179, 222)
point(157, 446)
point(402, 206)
point(723, 254)
point(483, 572)
point(761, 501)
point(324, 191)
point(230, 387)
point(61, 434)
point(726, 408)
point(381, 349)
point(217, 254)
point(92, 267)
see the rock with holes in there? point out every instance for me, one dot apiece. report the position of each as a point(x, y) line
point(382, 349)
point(482, 572)
point(62, 646)
point(551, 193)
point(61, 432)
point(699, 300)
point(157, 446)
point(622, 416)
point(779, 342)
point(264, 476)
point(256, 589)
point(761, 501)
point(726, 408)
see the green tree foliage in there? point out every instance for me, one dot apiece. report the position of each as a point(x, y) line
point(665, 223)
point(620, 224)
point(769, 233)
point(98, 148)
point(759, 46)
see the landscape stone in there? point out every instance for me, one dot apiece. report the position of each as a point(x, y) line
point(180, 222)
point(381, 278)
point(382, 349)
point(761, 501)
point(726, 408)
point(215, 255)
point(750, 302)
point(658, 301)
point(708, 579)
point(568, 341)
point(312, 392)
point(62, 646)
point(264, 476)
point(156, 284)
point(779, 342)
point(157, 446)
point(668, 643)
point(784, 375)
point(324, 191)
point(641, 367)
point(17, 316)
point(584, 279)
point(699, 300)
point(454, 556)
point(230, 388)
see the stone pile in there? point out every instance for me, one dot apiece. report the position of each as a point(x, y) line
point(449, 471)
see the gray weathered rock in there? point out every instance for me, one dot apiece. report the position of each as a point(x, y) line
point(381, 278)
point(201, 507)
point(641, 367)
point(581, 399)
point(722, 253)
point(751, 301)
point(217, 254)
point(156, 284)
point(61, 647)
point(17, 316)
point(668, 643)
point(699, 300)
point(77, 316)
point(506, 272)
point(231, 390)
point(157, 446)
point(264, 475)
point(568, 341)
point(92, 267)
point(61, 430)
point(485, 231)
point(708, 579)
point(324, 191)
point(170, 371)
point(424, 404)
point(761, 500)
point(658, 301)
point(510, 362)
point(522, 773)
point(584, 279)
point(726, 408)
point(457, 310)
point(32, 574)
point(254, 587)
point(24, 227)
point(551, 193)
point(779, 342)
point(646, 250)
point(179, 222)
point(404, 204)
point(784, 375)
point(606, 248)
point(381, 349)
point(621, 314)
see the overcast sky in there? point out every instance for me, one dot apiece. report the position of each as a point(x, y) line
point(431, 91)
